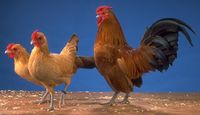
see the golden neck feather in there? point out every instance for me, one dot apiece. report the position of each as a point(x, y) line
point(43, 48)
point(110, 32)
point(23, 57)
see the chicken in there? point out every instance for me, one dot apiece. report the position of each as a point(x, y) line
point(21, 57)
point(123, 66)
point(54, 69)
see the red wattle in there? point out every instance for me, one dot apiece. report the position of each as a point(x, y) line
point(11, 55)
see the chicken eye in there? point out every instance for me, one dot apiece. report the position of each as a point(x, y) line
point(15, 49)
point(39, 38)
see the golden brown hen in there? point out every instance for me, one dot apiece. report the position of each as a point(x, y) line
point(52, 69)
point(21, 57)
point(123, 66)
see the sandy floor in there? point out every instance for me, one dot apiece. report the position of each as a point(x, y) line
point(88, 103)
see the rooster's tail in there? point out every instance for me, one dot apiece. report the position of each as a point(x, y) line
point(162, 36)
point(85, 62)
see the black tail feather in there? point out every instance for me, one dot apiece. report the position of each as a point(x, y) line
point(180, 22)
point(163, 37)
point(183, 30)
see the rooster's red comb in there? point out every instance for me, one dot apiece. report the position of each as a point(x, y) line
point(103, 7)
point(9, 46)
point(34, 34)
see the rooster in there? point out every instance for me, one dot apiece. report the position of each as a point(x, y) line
point(21, 57)
point(123, 66)
point(54, 69)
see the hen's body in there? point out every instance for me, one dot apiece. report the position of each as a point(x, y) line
point(123, 66)
point(52, 69)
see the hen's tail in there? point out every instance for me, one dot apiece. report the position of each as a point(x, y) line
point(162, 36)
point(71, 47)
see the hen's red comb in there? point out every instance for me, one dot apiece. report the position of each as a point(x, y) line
point(103, 7)
point(34, 34)
point(9, 46)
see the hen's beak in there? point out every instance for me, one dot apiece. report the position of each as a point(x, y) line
point(32, 42)
point(97, 16)
point(7, 51)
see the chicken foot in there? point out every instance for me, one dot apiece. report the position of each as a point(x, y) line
point(112, 101)
point(125, 100)
point(42, 100)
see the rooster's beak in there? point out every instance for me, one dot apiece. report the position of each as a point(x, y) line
point(31, 42)
point(97, 16)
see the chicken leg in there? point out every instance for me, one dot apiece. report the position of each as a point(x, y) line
point(51, 107)
point(62, 100)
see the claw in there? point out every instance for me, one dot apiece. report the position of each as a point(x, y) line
point(50, 109)
point(40, 102)
point(112, 101)
point(108, 103)
point(125, 102)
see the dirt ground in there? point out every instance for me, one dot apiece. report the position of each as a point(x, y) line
point(88, 103)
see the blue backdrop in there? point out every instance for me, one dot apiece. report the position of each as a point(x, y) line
point(58, 19)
